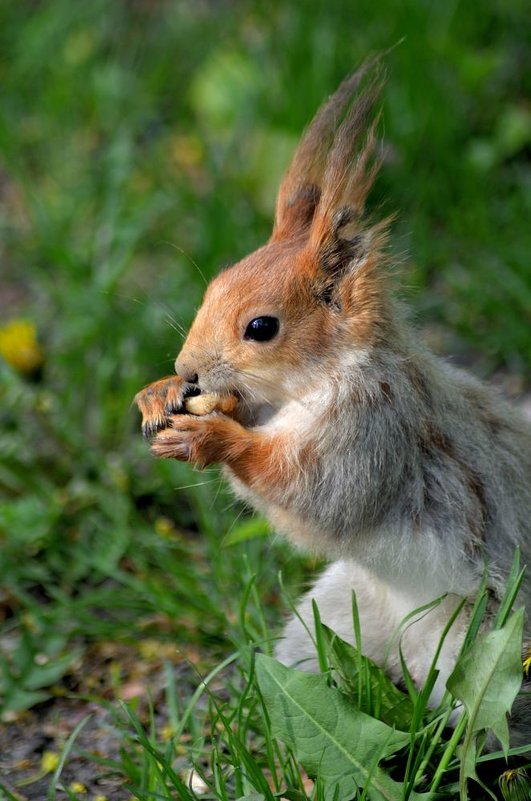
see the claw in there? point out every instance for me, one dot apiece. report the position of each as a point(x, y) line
point(191, 391)
point(153, 426)
point(171, 407)
point(158, 402)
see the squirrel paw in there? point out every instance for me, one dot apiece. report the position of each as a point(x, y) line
point(159, 401)
point(200, 440)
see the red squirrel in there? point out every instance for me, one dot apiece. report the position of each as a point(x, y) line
point(331, 418)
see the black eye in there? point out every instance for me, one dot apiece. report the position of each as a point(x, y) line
point(262, 329)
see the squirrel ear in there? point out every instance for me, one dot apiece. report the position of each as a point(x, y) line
point(351, 272)
point(295, 210)
point(351, 167)
point(300, 192)
point(346, 255)
point(339, 241)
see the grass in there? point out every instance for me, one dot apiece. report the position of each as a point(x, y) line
point(140, 148)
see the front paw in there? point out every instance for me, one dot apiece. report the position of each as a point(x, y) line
point(159, 401)
point(200, 440)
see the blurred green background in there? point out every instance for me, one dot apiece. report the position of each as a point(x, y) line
point(141, 144)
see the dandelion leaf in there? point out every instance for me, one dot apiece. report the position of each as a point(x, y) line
point(488, 677)
point(335, 742)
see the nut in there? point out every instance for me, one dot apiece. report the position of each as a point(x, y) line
point(211, 402)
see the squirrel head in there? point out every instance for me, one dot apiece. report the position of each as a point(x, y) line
point(277, 322)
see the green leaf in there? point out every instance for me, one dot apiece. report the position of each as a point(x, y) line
point(64, 756)
point(379, 697)
point(487, 679)
point(20, 699)
point(334, 741)
point(252, 797)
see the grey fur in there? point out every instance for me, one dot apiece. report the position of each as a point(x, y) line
point(419, 475)
point(423, 480)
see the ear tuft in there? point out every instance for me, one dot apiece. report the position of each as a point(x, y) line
point(322, 167)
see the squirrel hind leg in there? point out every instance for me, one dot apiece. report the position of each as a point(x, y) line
point(332, 593)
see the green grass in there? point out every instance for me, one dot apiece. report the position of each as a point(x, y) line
point(140, 149)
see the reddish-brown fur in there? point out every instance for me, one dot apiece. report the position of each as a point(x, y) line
point(253, 459)
point(157, 401)
point(317, 229)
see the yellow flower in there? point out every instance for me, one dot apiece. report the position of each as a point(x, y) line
point(19, 346)
point(527, 666)
point(514, 785)
point(77, 787)
point(166, 732)
point(164, 527)
point(49, 761)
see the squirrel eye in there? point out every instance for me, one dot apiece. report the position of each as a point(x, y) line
point(262, 329)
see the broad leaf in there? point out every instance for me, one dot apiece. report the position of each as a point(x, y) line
point(487, 679)
point(334, 741)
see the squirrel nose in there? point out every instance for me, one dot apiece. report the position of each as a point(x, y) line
point(187, 373)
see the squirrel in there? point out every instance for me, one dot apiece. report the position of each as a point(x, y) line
point(350, 436)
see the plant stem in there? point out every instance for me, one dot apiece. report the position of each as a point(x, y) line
point(449, 751)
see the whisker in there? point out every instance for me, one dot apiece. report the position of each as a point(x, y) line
point(197, 484)
point(266, 383)
point(235, 520)
point(188, 257)
point(176, 327)
point(221, 486)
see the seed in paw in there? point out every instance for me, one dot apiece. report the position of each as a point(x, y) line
point(211, 402)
